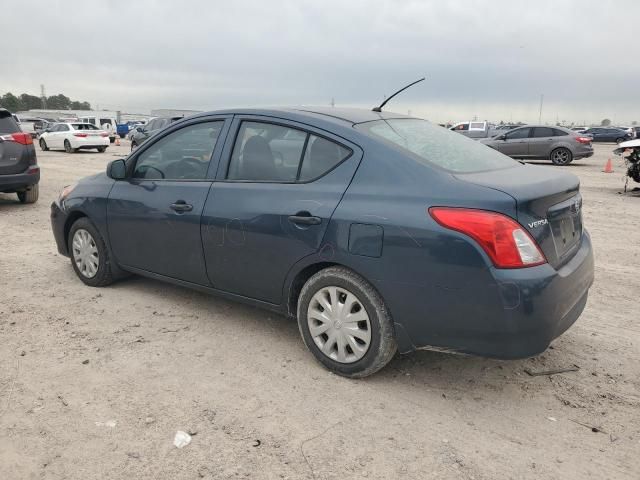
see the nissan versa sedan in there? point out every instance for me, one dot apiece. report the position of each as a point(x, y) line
point(539, 142)
point(378, 232)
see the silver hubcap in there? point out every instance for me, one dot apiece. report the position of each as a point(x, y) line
point(85, 253)
point(339, 324)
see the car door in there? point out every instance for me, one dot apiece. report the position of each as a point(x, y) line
point(515, 143)
point(59, 135)
point(540, 142)
point(266, 211)
point(154, 215)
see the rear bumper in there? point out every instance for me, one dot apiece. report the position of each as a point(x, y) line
point(583, 154)
point(520, 315)
point(58, 221)
point(19, 181)
point(90, 142)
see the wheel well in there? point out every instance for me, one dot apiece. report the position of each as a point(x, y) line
point(299, 281)
point(73, 217)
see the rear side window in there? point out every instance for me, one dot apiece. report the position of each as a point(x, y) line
point(7, 123)
point(559, 133)
point(540, 132)
point(434, 145)
point(266, 152)
point(84, 126)
point(321, 156)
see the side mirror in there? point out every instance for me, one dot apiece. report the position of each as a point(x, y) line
point(117, 169)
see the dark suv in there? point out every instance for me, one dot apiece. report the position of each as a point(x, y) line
point(19, 172)
point(608, 134)
point(142, 133)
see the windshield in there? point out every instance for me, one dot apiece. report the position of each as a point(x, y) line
point(432, 144)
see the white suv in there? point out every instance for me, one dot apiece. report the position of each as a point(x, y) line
point(74, 136)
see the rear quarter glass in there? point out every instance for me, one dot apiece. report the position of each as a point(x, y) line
point(434, 145)
point(7, 123)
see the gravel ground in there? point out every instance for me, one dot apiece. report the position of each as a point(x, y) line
point(95, 383)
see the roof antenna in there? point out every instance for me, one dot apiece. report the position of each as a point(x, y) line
point(379, 109)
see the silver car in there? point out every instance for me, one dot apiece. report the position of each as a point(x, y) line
point(540, 142)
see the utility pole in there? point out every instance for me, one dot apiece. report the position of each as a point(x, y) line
point(333, 102)
point(43, 96)
point(540, 114)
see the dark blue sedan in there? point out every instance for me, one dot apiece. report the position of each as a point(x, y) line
point(379, 232)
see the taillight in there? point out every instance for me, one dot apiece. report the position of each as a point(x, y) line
point(583, 139)
point(18, 137)
point(502, 238)
point(81, 135)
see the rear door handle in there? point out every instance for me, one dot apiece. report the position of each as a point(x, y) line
point(305, 218)
point(181, 206)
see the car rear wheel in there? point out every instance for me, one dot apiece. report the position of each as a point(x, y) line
point(43, 145)
point(102, 149)
point(344, 322)
point(29, 196)
point(561, 156)
point(67, 147)
point(89, 255)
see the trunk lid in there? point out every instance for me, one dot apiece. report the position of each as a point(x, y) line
point(548, 205)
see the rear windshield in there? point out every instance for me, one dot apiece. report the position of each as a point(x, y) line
point(84, 126)
point(7, 123)
point(432, 144)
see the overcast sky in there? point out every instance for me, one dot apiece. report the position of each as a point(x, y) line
point(491, 59)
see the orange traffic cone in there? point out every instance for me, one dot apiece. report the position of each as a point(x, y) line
point(608, 168)
point(117, 141)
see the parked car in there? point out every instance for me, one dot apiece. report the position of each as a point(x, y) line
point(472, 129)
point(377, 231)
point(103, 122)
point(607, 134)
point(539, 142)
point(73, 137)
point(19, 171)
point(30, 125)
point(142, 133)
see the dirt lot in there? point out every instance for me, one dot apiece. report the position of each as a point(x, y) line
point(94, 383)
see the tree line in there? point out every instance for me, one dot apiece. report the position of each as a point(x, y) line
point(25, 101)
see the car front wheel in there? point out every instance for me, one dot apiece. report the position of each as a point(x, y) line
point(344, 322)
point(102, 149)
point(620, 140)
point(89, 255)
point(43, 145)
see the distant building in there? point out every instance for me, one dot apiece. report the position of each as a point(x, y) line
point(74, 114)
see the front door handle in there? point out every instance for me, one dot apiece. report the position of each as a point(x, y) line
point(181, 206)
point(305, 218)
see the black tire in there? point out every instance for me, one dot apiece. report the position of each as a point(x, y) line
point(29, 196)
point(620, 140)
point(561, 156)
point(382, 345)
point(104, 275)
point(102, 149)
point(67, 147)
point(43, 145)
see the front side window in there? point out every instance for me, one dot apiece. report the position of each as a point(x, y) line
point(518, 134)
point(63, 127)
point(182, 155)
point(434, 145)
